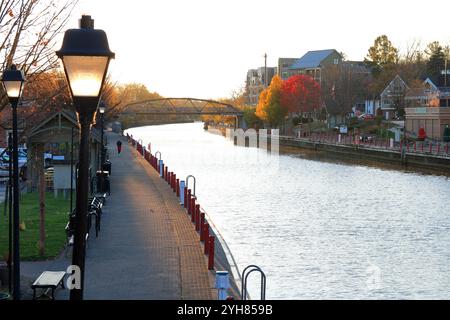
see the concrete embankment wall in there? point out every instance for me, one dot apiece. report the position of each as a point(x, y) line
point(417, 161)
point(414, 160)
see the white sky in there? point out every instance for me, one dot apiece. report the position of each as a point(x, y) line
point(203, 48)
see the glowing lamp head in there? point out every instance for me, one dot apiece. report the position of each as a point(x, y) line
point(102, 107)
point(13, 81)
point(85, 55)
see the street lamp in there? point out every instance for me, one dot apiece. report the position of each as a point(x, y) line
point(13, 81)
point(102, 109)
point(85, 55)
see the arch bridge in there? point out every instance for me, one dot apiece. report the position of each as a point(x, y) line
point(175, 110)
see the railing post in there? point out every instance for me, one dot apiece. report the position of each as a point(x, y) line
point(161, 168)
point(188, 201)
point(202, 225)
point(174, 181)
point(178, 187)
point(182, 193)
point(211, 253)
point(197, 217)
point(193, 209)
point(222, 284)
point(206, 236)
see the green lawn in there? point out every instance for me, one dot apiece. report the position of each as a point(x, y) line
point(56, 218)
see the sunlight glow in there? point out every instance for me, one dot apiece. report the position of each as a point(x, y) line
point(13, 88)
point(85, 74)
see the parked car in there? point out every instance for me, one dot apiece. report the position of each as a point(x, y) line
point(4, 158)
point(366, 117)
point(366, 138)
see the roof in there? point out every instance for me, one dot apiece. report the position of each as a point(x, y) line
point(312, 59)
point(357, 67)
point(71, 121)
point(388, 91)
point(334, 107)
point(70, 116)
point(416, 93)
point(444, 89)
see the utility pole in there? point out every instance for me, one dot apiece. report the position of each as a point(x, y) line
point(446, 53)
point(265, 70)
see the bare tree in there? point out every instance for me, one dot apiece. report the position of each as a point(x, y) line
point(28, 34)
point(413, 53)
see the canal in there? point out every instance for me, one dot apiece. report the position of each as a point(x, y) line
point(320, 230)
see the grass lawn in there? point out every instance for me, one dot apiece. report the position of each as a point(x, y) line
point(56, 217)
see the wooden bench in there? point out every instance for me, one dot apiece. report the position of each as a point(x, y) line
point(48, 280)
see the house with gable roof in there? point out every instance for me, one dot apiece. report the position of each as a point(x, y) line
point(313, 62)
point(428, 107)
point(393, 97)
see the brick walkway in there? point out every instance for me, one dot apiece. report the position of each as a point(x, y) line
point(147, 248)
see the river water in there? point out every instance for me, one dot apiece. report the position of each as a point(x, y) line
point(319, 230)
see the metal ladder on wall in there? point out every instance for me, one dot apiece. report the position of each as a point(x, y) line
point(247, 271)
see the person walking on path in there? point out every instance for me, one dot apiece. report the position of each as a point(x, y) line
point(119, 146)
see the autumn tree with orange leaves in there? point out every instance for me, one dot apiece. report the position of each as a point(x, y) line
point(270, 108)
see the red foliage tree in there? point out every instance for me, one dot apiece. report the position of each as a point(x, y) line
point(300, 94)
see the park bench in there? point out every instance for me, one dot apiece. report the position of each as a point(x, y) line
point(101, 196)
point(48, 280)
point(95, 209)
point(71, 240)
point(70, 227)
point(95, 205)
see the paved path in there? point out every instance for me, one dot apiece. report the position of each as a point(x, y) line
point(147, 247)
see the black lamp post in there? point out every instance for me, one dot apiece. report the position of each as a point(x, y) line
point(13, 81)
point(102, 109)
point(85, 55)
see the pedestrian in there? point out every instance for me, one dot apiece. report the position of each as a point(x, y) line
point(119, 146)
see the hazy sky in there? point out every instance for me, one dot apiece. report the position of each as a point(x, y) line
point(203, 48)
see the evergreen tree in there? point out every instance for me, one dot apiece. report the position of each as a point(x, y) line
point(436, 60)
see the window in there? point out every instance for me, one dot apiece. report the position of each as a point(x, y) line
point(336, 61)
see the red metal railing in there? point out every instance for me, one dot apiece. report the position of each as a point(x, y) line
point(198, 216)
point(429, 147)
